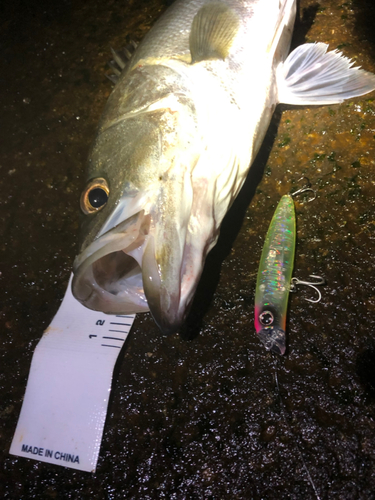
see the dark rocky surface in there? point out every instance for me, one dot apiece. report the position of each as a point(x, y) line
point(195, 415)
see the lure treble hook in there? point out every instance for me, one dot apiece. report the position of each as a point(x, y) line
point(304, 189)
point(312, 284)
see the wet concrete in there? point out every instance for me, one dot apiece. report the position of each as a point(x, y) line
point(196, 415)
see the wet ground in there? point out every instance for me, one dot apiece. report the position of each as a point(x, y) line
point(196, 415)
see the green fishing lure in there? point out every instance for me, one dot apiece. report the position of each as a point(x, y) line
point(274, 277)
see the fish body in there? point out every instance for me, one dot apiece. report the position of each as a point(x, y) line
point(175, 142)
point(274, 277)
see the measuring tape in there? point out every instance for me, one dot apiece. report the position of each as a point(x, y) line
point(65, 404)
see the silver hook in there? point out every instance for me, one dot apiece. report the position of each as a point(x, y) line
point(322, 281)
point(304, 189)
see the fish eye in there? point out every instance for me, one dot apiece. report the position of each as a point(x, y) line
point(266, 318)
point(95, 196)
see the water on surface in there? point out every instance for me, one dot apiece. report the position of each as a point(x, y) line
point(196, 415)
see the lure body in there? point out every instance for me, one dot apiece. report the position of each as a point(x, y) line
point(274, 277)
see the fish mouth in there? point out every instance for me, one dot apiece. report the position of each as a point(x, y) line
point(273, 340)
point(122, 272)
point(108, 274)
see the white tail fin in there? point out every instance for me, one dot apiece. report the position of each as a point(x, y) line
point(311, 75)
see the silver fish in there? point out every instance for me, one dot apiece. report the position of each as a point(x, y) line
point(176, 140)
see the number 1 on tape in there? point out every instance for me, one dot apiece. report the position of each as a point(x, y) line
point(65, 404)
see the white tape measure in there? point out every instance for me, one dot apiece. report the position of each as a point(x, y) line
point(65, 404)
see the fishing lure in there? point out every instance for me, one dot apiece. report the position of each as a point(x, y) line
point(274, 277)
point(274, 282)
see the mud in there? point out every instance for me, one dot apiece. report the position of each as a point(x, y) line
point(196, 415)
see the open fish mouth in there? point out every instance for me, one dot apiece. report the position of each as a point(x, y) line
point(121, 272)
point(108, 273)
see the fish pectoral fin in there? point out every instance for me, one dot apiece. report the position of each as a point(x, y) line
point(161, 274)
point(212, 33)
point(311, 75)
point(163, 259)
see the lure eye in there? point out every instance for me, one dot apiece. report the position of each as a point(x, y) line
point(266, 318)
point(95, 196)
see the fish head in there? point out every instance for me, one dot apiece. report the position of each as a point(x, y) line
point(140, 248)
point(273, 339)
